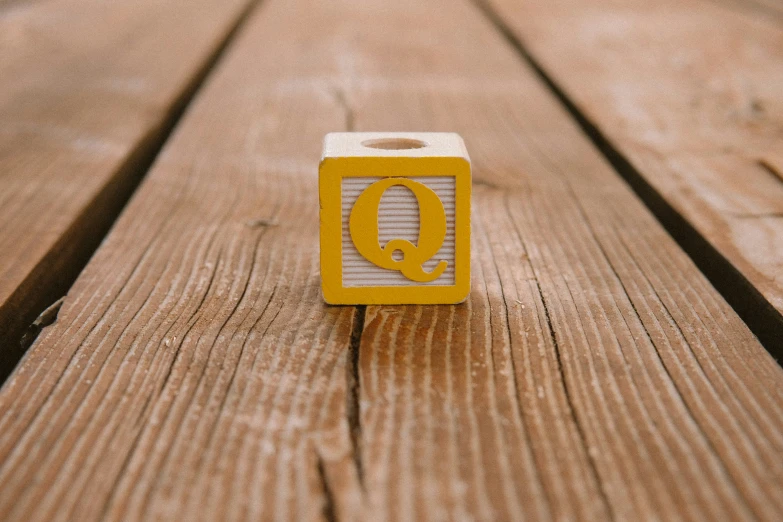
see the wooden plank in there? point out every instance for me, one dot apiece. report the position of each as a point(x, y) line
point(694, 112)
point(194, 372)
point(89, 89)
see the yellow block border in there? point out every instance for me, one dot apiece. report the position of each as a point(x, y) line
point(331, 173)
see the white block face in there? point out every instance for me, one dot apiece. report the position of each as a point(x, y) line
point(398, 218)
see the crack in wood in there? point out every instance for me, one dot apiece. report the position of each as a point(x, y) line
point(329, 510)
point(260, 223)
point(338, 93)
point(571, 409)
point(46, 318)
point(770, 168)
point(353, 390)
point(592, 466)
point(512, 362)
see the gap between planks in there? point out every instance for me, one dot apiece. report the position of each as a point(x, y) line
point(88, 230)
point(761, 317)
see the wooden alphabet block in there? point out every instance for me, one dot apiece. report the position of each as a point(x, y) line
point(395, 218)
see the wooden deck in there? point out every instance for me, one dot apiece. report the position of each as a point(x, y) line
point(168, 352)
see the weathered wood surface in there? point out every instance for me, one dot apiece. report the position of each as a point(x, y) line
point(689, 93)
point(193, 371)
point(87, 91)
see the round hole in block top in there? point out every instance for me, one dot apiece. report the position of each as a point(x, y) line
point(394, 143)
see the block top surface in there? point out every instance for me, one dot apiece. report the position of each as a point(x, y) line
point(394, 144)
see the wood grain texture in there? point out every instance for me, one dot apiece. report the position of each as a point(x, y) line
point(193, 371)
point(695, 111)
point(88, 91)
